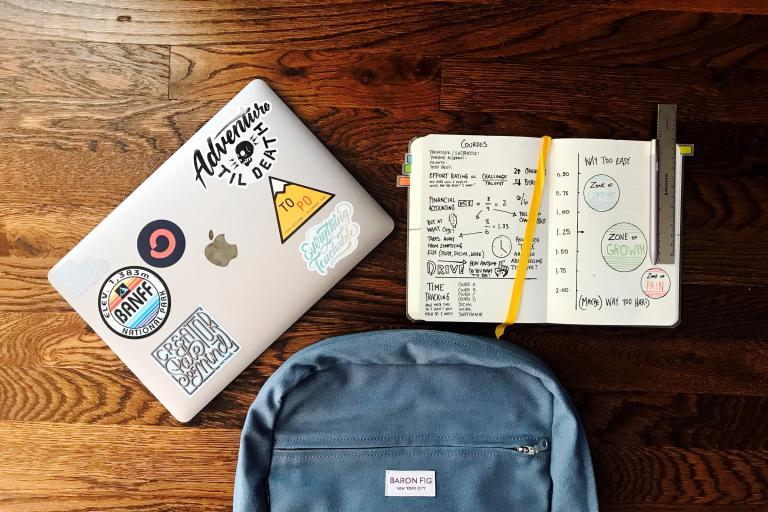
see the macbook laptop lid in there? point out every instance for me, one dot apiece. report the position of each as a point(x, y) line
point(220, 250)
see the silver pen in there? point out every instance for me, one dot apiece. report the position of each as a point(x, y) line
point(654, 227)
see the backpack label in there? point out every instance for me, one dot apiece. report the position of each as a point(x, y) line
point(410, 483)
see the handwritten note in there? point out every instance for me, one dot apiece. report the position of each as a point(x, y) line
point(468, 206)
point(475, 198)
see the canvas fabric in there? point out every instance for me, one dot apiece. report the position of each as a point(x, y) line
point(487, 419)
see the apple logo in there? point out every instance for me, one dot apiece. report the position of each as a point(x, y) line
point(219, 252)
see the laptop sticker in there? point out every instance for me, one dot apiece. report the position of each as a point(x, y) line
point(161, 243)
point(195, 350)
point(134, 302)
point(295, 204)
point(331, 240)
point(78, 276)
point(241, 153)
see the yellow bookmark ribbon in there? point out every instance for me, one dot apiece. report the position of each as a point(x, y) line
point(530, 229)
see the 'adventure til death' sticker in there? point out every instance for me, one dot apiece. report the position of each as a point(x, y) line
point(331, 240)
point(242, 152)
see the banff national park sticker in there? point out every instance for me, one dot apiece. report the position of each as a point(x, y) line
point(134, 302)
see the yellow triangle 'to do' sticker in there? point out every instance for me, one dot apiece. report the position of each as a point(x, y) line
point(295, 204)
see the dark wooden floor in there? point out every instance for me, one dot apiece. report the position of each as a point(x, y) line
point(93, 97)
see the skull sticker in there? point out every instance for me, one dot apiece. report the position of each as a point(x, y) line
point(244, 152)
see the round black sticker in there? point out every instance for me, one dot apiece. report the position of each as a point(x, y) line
point(161, 243)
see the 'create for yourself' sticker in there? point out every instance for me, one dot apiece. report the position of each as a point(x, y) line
point(134, 302)
point(195, 350)
point(331, 240)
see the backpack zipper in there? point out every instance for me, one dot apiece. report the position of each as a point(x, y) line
point(542, 445)
point(535, 449)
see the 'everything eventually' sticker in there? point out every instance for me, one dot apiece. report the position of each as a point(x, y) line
point(331, 240)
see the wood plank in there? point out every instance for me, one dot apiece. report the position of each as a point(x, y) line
point(31, 230)
point(24, 281)
point(737, 6)
point(653, 507)
point(701, 93)
point(143, 467)
point(71, 395)
point(89, 125)
point(142, 464)
point(314, 24)
point(122, 137)
point(601, 38)
point(614, 38)
point(178, 22)
point(82, 70)
point(43, 340)
point(683, 420)
point(330, 78)
point(716, 478)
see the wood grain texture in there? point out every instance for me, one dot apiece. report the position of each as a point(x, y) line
point(95, 95)
point(719, 478)
point(701, 93)
point(311, 24)
point(725, 208)
point(615, 38)
point(330, 78)
point(82, 70)
point(126, 467)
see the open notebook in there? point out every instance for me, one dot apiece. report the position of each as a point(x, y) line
point(590, 262)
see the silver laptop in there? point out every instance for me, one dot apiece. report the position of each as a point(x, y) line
point(220, 250)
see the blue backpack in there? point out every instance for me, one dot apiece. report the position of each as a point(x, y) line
point(413, 420)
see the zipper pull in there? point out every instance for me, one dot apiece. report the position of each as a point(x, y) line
point(541, 446)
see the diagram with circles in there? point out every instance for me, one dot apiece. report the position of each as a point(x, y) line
point(600, 262)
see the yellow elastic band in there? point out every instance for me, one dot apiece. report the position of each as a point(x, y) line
point(530, 229)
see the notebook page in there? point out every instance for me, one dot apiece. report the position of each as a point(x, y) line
point(600, 270)
point(472, 194)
